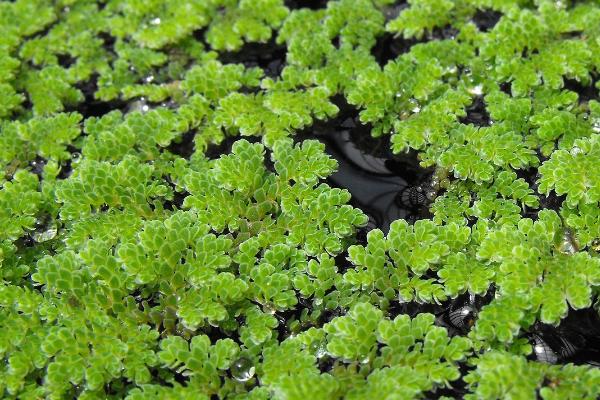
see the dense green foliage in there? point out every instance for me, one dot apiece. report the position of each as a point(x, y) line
point(131, 270)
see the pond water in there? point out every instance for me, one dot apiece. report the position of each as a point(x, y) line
point(384, 186)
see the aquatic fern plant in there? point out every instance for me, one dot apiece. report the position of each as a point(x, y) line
point(174, 223)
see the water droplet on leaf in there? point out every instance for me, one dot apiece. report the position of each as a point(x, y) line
point(576, 150)
point(45, 232)
point(568, 244)
point(476, 90)
point(75, 158)
point(242, 369)
point(318, 348)
point(139, 105)
point(321, 351)
point(268, 309)
point(431, 194)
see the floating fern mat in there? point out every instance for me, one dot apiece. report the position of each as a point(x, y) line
point(269, 199)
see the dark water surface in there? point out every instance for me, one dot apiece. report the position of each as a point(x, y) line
point(384, 186)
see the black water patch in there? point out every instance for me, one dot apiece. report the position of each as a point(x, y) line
point(216, 333)
point(331, 314)
point(177, 202)
point(413, 308)
point(552, 201)
point(575, 340)
point(200, 36)
point(109, 41)
point(326, 364)
point(37, 166)
point(477, 113)
point(24, 242)
point(92, 107)
point(184, 145)
point(179, 194)
point(506, 87)
point(389, 46)
point(447, 32)
point(216, 150)
point(456, 390)
point(65, 170)
point(180, 378)
point(43, 30)
point(269, 56)
point(531, 176)
point(393, 11)
point(310, 4)
point(571, 35)
point(65, 60)
point(116, 387)
point(66, 166)
point(167, 378)
point(486, 19)
point(376, 178)
point(585, 92)
point(342, 262)
point(336, 42)
point(305, 314)
point(457, 315)
point(286, 317)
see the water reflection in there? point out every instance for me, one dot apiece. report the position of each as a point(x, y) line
point(385, 186)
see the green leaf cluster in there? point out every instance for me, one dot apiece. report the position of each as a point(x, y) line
point(169, 228)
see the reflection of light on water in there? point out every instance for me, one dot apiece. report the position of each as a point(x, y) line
point(364, 160)
point(463, 318)
point(375, 187)
point(543, 351)
point(368, 169)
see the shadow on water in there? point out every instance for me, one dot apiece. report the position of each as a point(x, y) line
point(385, 186)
